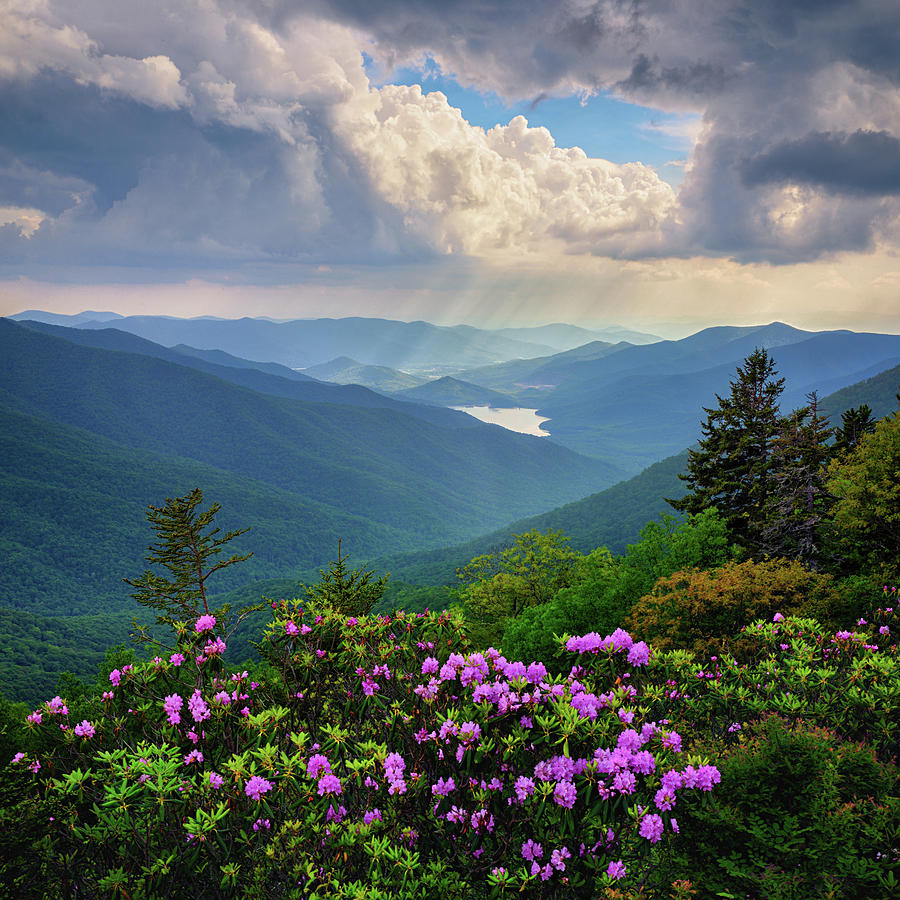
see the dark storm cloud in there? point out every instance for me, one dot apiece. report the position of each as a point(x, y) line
point(698, 80)
point(864, 162)
point(77, 131)
point(765, 74)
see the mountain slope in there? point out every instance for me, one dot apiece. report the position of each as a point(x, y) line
point(72, 521)
point(614, 517)
point(380, 463)
point(450, 391)
point(611, 518)
point(272, 379)
point(344, 370)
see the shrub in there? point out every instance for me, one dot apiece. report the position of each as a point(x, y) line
point(800, 813)
point(701, 611)
point(376, 759)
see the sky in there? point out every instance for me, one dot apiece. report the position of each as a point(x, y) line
point(659, 165)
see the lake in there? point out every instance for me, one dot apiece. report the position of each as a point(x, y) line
point(516, 419)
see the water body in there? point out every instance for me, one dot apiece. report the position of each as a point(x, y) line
point(519, 419)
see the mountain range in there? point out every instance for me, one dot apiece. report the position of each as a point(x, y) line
point(380, 473)
point(639, 404)
point(97, 422)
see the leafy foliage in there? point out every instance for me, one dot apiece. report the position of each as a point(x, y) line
point(867, 512)
point(800, 813)
point(605, 587)
point(363, 765)
point(700, 610)
point(499, 586)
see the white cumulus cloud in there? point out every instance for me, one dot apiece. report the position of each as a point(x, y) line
point(509, 188)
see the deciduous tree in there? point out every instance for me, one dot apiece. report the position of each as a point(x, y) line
point(498, 586)
point(866, 483)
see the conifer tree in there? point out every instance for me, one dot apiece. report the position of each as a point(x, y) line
point(188, 548)
point(352, 593)
point(731, 467)
point(854, 424)
point(798, 501)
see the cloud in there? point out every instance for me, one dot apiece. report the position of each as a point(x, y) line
point(26, 219)
point(30, 43)
point(764, 74)
point(510, 188)
point(258, 137)
point(862, 163)
point(241, 132)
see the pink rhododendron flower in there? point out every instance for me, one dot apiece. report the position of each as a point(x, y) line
point(197, 706)
point(257, 786)
point(214, 648)
point(329, 784)
point(616, 869)
point(205, 623)
point(651, 827)
point(172, 704)
point(84, 729)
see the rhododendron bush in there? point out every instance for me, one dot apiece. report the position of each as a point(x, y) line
point(378, 757)
point(382, 757)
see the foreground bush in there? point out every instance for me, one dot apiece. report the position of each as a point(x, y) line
point(377, 759)
point(800, 813)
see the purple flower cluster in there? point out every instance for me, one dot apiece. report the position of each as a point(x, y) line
point(638, 653)
point(85, 729)
point(205, 623)
point(257, 786)
point(197, 706)
point(394, 767)
point(172, 705)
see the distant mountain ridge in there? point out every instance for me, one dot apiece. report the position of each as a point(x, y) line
point(301, 343)
point(639, 404)
point(450, 391)
point(344, 370)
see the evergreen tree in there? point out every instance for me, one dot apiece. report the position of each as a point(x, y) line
point(731, 467)
point(187, 547)
point(352, 593)
point(855, 423)
point(798, 501)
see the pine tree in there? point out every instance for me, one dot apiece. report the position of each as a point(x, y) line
point(798, 501)
point(187, 547)
point(854, 424)
point(731, 467)
point(352, 593)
